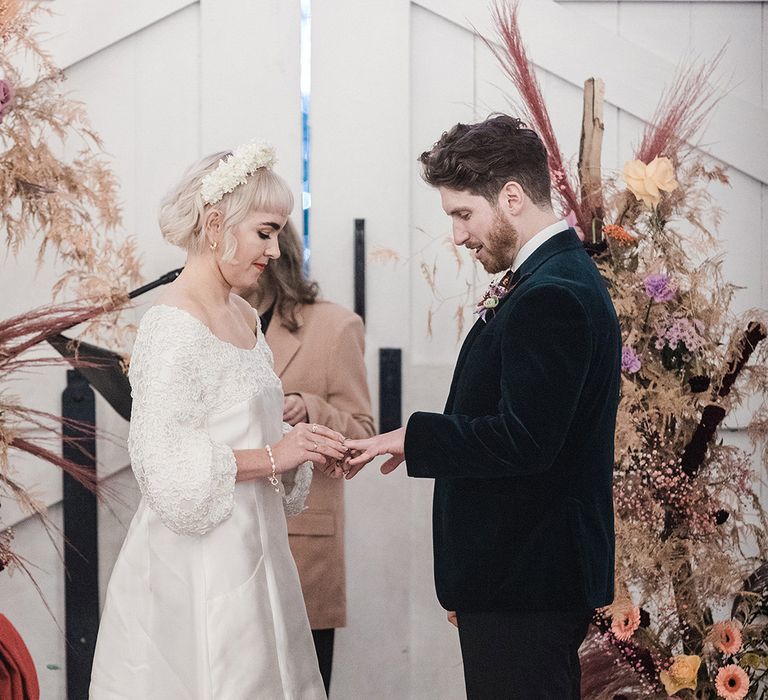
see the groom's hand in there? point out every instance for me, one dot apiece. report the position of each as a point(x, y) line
point(392, 443)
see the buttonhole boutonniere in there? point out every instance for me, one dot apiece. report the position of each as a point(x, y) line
point(496, 291)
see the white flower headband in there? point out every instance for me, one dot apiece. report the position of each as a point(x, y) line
point(234, 171)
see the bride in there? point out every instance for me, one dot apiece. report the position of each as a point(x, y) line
point(204, 602)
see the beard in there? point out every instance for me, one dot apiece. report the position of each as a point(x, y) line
point(501, 245)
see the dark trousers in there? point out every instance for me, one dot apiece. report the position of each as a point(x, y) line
point(324, 648)
point(522, 655)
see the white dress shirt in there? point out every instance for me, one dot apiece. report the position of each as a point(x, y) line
point(538, 240)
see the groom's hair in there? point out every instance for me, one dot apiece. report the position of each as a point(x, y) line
point(481, 158)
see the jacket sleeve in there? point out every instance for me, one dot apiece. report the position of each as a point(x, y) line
point(347, 408)
point(187, 478)
point(546, 348)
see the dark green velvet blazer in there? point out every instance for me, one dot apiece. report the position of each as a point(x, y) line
point(522, 456)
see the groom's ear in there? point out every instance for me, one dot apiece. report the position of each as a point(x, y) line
point(511, 198)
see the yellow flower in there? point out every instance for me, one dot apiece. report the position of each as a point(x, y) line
point(646, 181)
point(681, 674)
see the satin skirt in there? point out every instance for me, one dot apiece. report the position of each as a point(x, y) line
point(212, 617)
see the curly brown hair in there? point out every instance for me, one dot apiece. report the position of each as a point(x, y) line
point(481, 158)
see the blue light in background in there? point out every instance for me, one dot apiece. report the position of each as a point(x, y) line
point(305, 57)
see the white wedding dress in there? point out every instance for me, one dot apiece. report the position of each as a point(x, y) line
point(204, 602)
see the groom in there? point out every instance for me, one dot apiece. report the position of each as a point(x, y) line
point(522, 456)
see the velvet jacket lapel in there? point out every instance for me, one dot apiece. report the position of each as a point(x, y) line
point(566, 240)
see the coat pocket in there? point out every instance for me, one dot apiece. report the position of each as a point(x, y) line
point(313, 522)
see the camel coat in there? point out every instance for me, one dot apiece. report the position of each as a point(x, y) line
point(323, 361)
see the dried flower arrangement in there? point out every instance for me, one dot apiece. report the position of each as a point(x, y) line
point(68, 208)
point(687, 512)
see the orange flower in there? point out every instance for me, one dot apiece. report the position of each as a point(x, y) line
point(681, 674)
point(732, 682)
point(726, 636)
point(625, 619)
point(619, 234)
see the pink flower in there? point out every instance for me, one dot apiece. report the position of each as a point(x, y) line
point(726, 636)
point(732, 682)
point(625, 619)
point(572, 221)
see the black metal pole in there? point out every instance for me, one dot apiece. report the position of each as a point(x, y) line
point(81, 556)
point(360, 268)
point(163, 279)
point(390, 389)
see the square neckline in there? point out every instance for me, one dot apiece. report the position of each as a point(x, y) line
point(207, 328)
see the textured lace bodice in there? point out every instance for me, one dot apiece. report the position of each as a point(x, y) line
point(181, 376)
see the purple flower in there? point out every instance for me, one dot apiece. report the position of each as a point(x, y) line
point(660, 287)
point(6, 97)
point(678, 329)
point(630, 360)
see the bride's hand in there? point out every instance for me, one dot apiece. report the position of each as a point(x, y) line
point(309, 443)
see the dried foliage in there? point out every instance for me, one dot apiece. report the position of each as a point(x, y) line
point(66, 203)
point(58, 194)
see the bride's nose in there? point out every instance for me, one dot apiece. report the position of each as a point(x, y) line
point(273, 249)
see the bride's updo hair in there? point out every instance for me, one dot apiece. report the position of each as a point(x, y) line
point(183, 215)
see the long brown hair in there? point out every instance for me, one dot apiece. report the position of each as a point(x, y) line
point(285, 277)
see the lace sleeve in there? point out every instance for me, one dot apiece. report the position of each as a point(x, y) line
point(187, 479)
point(296, 483)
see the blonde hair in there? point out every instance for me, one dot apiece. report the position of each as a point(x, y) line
point(183, 214)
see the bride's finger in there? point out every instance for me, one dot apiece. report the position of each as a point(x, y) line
point(328, 449)
point(317, 459)
point(317, 429)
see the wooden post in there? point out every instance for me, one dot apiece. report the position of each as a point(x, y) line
point(592, 128)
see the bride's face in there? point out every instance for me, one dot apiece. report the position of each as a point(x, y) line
point(256, 238)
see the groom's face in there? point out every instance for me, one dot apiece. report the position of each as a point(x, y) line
point(481, 228)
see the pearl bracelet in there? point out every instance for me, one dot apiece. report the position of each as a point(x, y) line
point(273, 479)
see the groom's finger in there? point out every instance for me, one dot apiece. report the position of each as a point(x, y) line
point(356, 468)
point(391, 464)
point(361, 460)
point(357, 445)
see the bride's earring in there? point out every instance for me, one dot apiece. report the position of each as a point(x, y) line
point(214, 245)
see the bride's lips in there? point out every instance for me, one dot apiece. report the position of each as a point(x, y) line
point(261, 266)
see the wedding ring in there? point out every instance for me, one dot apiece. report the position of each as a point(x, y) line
point(314, 427)
point(315, 444)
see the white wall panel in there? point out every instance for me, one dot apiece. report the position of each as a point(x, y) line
point(740, 27)
point(249, 72)
point(652, 25)
point(361, 163)
point(70, 29)
point(442, 94)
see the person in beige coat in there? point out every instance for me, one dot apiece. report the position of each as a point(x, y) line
point(318, 349)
